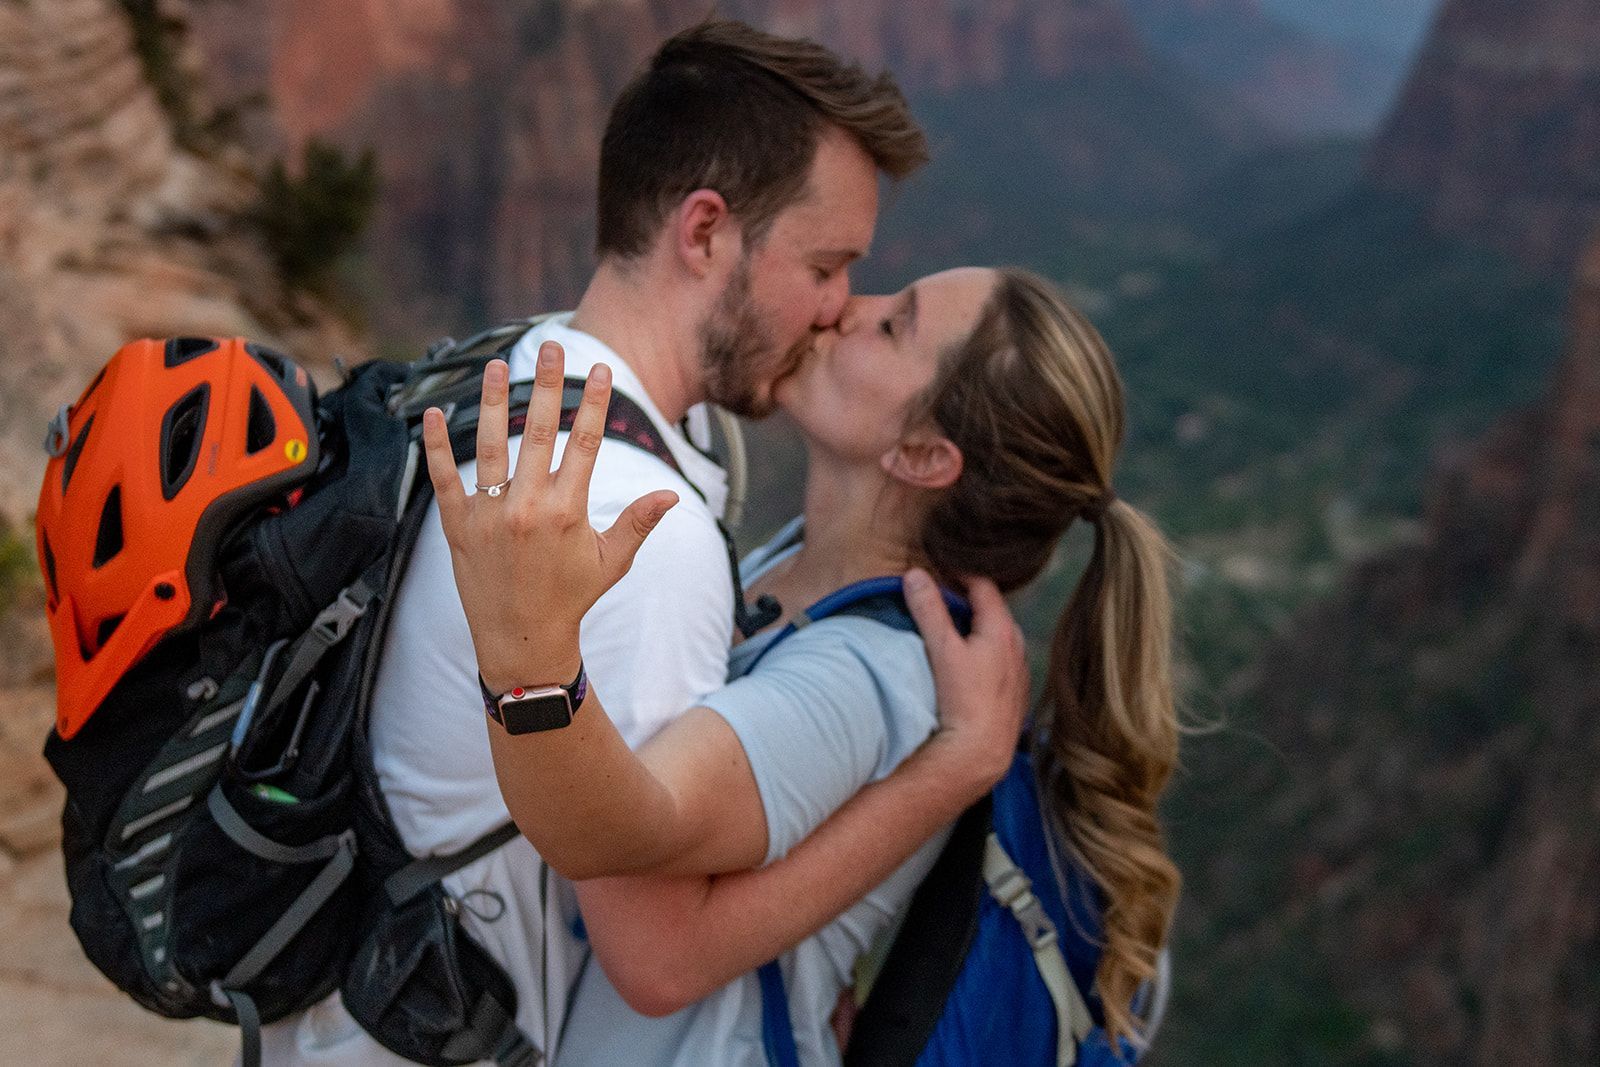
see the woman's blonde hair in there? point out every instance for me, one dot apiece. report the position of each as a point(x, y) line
point(1034, 401)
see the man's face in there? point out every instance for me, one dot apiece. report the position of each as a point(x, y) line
point(794, 282)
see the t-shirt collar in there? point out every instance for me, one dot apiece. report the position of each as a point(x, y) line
point(583, 351)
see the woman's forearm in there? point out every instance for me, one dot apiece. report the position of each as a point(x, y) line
point(687, 802)
point(583, 798)
point(704, 932)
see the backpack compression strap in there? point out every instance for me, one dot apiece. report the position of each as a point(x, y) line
point(1014, 890)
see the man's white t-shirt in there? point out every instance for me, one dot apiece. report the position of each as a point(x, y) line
point(653, 646)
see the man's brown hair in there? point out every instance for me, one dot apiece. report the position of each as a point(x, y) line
point(727, 107)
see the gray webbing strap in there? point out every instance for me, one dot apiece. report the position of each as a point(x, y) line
point(340, 852)
point(327, 630)
point(338, 849)
point(295, 917)
point(418, 875)
point(244, 1009)
point(1014, 891)
point(248, 838)
point(492, 1033)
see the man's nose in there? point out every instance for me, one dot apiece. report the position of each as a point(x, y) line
point(835, 298)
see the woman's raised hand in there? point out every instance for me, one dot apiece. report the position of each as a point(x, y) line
point(527, 563)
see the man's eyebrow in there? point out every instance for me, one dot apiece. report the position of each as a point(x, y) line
point(841, 255)
point(911, 309)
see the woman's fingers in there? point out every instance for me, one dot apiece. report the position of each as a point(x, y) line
point(442, 466)
point(544, 421)
point(928, 610)
point(991, 618)
point(583, 442)
point(620, 543)
point(493, 462)
point(981, 680)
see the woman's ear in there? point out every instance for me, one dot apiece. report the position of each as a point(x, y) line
point(924, 459)
point(705, 232)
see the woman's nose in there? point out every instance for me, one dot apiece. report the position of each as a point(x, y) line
point(856, 309)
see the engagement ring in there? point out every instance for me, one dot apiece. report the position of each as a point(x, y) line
point(494, 490)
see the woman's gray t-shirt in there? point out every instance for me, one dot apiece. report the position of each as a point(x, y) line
point(837, 705)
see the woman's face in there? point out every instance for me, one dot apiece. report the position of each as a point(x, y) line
point(850, 395)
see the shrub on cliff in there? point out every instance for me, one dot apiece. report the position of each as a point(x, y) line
point(312, 219)
point(17, 569)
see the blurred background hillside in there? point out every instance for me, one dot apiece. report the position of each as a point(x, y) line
point(1347, 252)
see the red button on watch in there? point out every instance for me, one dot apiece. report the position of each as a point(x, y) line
point(527, 710)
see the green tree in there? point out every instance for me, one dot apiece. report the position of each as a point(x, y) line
point(311, 220)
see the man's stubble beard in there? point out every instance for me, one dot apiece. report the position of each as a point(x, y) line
point(736, 352)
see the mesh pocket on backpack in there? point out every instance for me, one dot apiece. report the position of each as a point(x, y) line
point(234, 886)
point(424, 988)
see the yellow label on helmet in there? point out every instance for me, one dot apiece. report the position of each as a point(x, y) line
point(295, 450)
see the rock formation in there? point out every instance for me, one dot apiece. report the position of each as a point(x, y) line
point(486, 117)
point(1498, 129)
point(1297, 82)
point(109, 230)
point(1424, 832)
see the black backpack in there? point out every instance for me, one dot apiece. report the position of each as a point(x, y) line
point(228, 850)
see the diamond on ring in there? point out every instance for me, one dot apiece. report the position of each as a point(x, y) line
point(494, 490)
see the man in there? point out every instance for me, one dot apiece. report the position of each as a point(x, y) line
point(738, 183)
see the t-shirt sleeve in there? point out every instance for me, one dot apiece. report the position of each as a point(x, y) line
point(833, 707)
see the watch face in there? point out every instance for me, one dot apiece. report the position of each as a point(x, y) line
point(525, 711)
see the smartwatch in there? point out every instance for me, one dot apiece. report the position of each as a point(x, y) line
point(526, 711)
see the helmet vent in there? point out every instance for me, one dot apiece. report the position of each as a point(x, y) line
point(107, 628)
point(50, 569)
point(108, 542)
point(182, 349)
point(71, 461)
point(182, 428)
point(263, 428)
point(273, 361)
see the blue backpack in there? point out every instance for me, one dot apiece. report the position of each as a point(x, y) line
point(996, 958)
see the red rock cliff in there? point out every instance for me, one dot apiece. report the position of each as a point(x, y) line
point(487, 116)
point(1498, 129)
point(109, 230)
point(1429, 830)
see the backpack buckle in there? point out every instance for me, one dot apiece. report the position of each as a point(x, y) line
point(335, 620)
point(1014, 890)
point(1036, 925)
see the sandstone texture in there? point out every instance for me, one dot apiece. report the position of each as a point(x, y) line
point(1498, 128)
point(486, 117)
point(1431, 848)
point(109, 230)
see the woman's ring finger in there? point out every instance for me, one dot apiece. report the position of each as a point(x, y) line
point(495, 489)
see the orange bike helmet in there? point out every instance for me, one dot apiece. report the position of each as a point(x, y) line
point(167, 448)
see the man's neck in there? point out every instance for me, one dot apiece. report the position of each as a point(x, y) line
point(649, 333)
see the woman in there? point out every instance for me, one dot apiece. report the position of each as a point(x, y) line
point(957, 428)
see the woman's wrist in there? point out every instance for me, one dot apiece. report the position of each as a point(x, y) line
point(969, 766)
point(550, 667)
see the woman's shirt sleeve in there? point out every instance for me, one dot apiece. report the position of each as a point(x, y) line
point(828, 710)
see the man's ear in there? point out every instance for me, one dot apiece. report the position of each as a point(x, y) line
point(705, 232)
point(924, 459)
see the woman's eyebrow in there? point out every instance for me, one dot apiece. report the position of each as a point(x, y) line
point(911, 309)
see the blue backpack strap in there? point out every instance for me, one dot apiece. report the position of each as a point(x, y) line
point(882, 600)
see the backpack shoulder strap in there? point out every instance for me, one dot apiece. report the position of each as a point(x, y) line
point(883, 601)
point(911, 990)
point(1014, 891)
point(879, 599)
